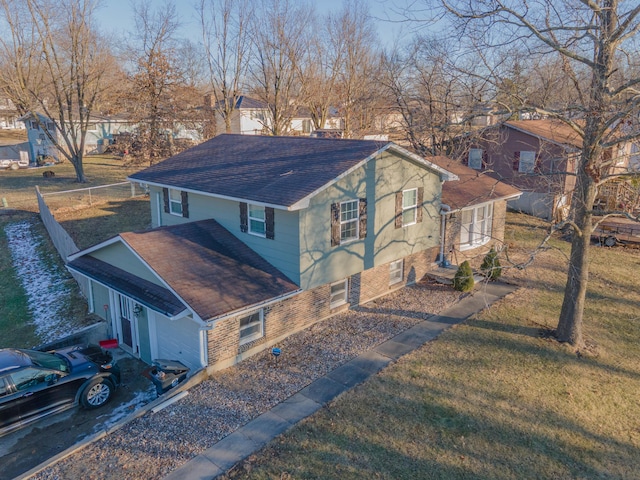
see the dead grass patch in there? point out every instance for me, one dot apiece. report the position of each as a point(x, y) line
point(496, 397)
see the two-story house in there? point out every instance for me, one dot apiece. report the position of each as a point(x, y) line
point(257, 237)
point(253, 117)
point(538, 157)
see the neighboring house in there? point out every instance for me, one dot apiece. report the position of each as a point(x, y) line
point(9, 116)
point(100, 134)
point(302, 124)
point(250, 117)
point(257, 237)
point(539, 158)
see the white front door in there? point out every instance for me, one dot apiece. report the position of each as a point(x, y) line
point(126, 325)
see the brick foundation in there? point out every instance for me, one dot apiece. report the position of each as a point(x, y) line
point(296, 313)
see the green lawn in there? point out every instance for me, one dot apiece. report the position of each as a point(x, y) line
point(87, 226)
point(495, 397)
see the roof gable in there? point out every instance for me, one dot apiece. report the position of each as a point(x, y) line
point(278, 171)
point(208, 268)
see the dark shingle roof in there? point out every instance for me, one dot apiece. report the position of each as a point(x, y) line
point(273, 170)
point(472, 187)
point(248, 103)
point(143, 291)
point(208, 268)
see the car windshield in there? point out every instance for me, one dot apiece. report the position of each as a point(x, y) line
point(47, 360)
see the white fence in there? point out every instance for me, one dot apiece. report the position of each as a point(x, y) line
point(84, 197)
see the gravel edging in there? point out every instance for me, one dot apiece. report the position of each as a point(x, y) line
point(153, 445)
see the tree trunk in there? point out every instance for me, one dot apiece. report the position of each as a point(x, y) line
point(76, 160)
point(570, 322)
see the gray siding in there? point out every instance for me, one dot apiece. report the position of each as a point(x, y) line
point(378, 181)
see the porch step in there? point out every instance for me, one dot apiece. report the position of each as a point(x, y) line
point(445, 275)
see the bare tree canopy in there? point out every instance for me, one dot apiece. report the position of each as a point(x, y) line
point(227, 43)
point(279, 37)
point(54, 67)
point(596, 43)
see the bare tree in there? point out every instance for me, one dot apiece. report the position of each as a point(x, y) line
point(352, 32)
point(155, 77)
point(595, 36)
point(55, 64)
point(279, 37)
point(429, 93)
point(227, 43)
point(318, 72)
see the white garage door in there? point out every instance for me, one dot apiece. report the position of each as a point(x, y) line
point(179, 340)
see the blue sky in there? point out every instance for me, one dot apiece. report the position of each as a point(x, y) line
point(115, 15)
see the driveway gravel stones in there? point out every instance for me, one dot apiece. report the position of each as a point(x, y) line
point(153, 445)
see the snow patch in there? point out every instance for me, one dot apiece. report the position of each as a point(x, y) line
point(46, 288)
point(124, 409)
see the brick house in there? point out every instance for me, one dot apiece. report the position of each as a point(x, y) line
point(539, 158)
point(256, 237)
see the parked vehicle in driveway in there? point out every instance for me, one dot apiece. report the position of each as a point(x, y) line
point(34, 383)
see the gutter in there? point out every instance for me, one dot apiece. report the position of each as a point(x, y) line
point(210, 324)
point(444, 211)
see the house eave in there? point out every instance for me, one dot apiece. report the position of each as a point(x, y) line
point(211, 323)
point(304, 202)
point(485, 202)
point(211, 195)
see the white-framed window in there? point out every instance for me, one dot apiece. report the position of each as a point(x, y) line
point(252, 327)
point(338, 293)
point(476, 226)
point(257, 220)
point(527, 161)
point(475, 158)
point(175, 202)
point(396, 271)
point(348, 221)
point(409, 206)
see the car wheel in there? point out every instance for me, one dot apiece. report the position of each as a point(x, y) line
point(14, 166)
point(97, 393)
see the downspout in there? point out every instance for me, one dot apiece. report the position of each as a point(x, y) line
point(444, 211)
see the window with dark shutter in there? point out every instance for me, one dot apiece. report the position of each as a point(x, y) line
point(419, 206)
point(362, 217)
point(185, 204)
point(335, 224)
point(269, 219)
point(244, 218)
point(165, 196)
point(398, 220)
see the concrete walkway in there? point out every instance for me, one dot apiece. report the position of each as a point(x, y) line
point(251, 437)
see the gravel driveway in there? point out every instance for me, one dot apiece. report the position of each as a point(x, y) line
point(153, 445)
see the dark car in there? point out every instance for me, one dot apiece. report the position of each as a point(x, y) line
point(34, 383)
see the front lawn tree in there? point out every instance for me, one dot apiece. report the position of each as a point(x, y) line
point(593, 37)
point(54, 66)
